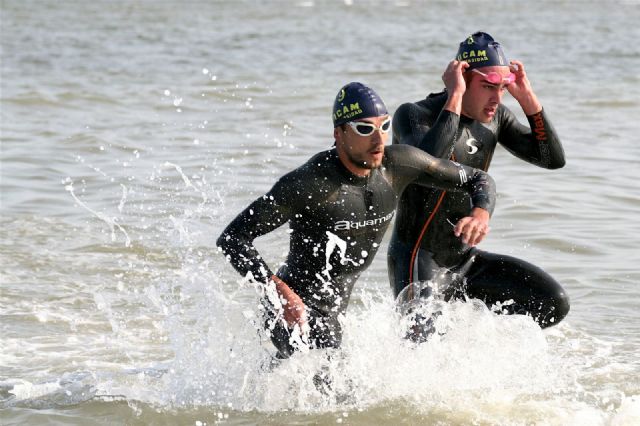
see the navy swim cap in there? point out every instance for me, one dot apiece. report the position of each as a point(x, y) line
point(355, 101)
point(481, 50)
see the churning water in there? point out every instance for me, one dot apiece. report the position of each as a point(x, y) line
point(133, 132)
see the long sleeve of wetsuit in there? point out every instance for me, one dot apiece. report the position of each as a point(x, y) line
point(411, 165)
point(437, 140)
point(539, 144)
point(262, 216)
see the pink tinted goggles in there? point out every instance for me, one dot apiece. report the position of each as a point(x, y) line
point(497, 78)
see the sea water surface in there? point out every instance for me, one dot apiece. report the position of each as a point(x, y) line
point(132, 132)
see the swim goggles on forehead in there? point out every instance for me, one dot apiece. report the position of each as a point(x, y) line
point(366, 129)
point(497, 78)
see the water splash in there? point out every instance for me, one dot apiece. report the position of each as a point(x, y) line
point(481, 357)
point(110, 221)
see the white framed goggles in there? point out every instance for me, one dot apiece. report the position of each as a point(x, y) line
point(366, 129)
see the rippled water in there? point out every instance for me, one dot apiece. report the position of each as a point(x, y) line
point(133, 132)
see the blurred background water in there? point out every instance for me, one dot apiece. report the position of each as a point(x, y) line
point(133, 131)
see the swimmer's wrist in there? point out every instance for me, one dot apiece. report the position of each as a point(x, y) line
point(480, 212)
point(454, 102)
point(530, 104)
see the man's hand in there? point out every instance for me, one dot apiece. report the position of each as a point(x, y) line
point(453, 78)
point(294, 309)
point(522, 91)
point(474, 227)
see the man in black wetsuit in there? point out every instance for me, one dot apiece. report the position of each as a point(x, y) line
point(338, 206)
point(464, 123)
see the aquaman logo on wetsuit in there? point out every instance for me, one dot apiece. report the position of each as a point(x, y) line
point(345, 225)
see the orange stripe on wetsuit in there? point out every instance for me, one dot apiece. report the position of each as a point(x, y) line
point(414, 252)
point(417, 246)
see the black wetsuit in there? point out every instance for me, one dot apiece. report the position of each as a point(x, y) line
point(337, 222)
point(423, 245)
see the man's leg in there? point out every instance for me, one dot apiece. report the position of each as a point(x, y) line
point(402, 269)
point(280, 337)
point(495, 278)
point(411, 297)
point(398, 266)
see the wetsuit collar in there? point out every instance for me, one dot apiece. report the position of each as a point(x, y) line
point(346, 173)
point(466, 120)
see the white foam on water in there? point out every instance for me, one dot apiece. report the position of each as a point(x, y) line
point(183, 334)
point(483, 367)
point(479, 364)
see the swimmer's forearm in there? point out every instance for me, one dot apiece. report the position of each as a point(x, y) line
point(521, 89)
point(454, 102)
point(294, 308)
point(530, 104)
point(483, 191)
point(453, 79)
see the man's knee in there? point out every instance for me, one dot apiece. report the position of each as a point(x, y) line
point(559, 309)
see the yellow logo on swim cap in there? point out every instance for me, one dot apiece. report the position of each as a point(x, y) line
point(347, 111)
point(470, 40)
point(341, 95)
point(473, 56)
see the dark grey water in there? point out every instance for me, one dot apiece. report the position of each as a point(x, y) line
point(132, 132)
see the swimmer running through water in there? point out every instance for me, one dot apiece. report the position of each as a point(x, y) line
point(338, 206)
point(465, 123)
